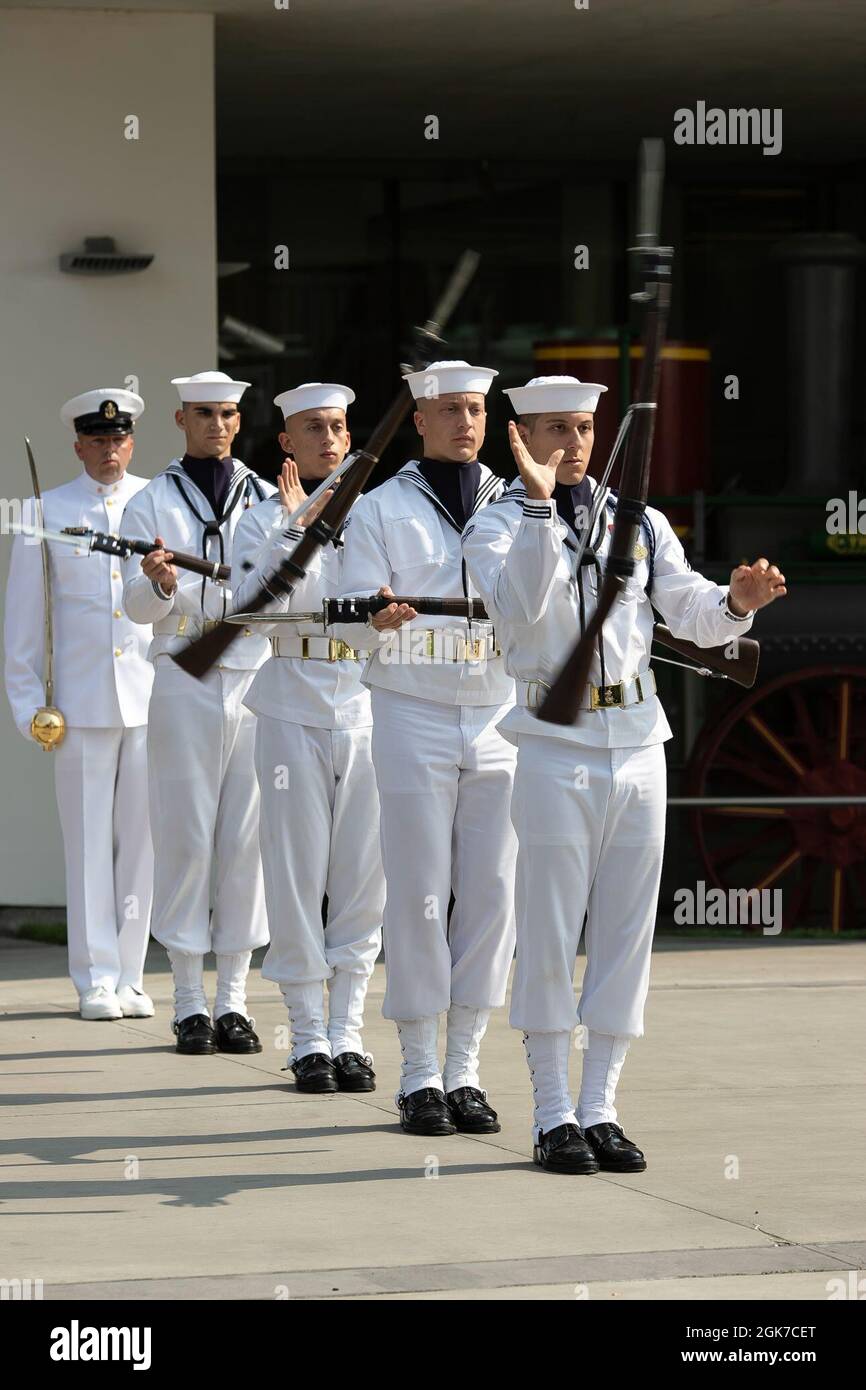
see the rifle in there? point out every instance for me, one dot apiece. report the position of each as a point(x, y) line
point(123, 547)
point(565, 698)
point(736, 660)
point(198, 658)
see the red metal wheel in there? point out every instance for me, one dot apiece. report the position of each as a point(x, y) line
point(802, 734)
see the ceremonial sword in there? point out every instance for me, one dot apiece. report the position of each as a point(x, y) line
point(47, 727)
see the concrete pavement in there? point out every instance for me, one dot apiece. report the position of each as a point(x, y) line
point(131, 1172)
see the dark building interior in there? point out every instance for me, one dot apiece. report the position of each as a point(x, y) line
point(322, 150)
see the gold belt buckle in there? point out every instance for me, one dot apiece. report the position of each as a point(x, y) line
point(339, 650)
point(305, 648)
point(479, 648)
point(607, 696)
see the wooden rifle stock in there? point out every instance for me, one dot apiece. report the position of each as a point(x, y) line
point(196, 565)
point(737, 659)
point(563, 702)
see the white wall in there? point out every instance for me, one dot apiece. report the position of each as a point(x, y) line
point(67, 81)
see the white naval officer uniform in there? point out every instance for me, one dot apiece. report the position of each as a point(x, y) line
point(102, 683)
point(319, 825)
point(444, 775)
point(203, 790)
point(589, 799)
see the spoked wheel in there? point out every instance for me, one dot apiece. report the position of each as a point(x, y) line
point(803, 734)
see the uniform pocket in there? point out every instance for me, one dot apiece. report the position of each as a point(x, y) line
point(409, 544)
point(76, 574)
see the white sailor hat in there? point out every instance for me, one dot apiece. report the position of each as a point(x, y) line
point(208, 386)
point(107, 410)
point(545, 394)
point(313, 395)
point(443, 378)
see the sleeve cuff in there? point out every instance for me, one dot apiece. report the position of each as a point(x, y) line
point(535, 509)
point(735, 617)
point(160, 592)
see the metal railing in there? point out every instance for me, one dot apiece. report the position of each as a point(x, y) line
point(766, 801)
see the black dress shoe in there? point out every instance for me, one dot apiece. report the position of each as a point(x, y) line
point(564, 1150)
point(471, 1113)
point(614, 1152)
point(426, 1112)
point(194, 1034)
point(234, 1033)
point(315, 1073)
point(354, 1072)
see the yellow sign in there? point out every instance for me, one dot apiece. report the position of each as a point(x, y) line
point(848, 543)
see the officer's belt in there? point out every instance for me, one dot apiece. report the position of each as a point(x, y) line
point(316, 648)
point(619, 695)
point(438, 644)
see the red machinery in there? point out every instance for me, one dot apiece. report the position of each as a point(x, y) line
point(681, 461)
point(801, 734)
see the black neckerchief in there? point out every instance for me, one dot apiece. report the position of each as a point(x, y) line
point(211, 476)
point(568, 499)
point(455, 484)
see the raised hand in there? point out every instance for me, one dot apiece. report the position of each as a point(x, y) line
point(540, 478)
point(754, 586)
point(289, 484)
point(292, 495)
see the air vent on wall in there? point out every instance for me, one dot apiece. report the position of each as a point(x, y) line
point(101, 257)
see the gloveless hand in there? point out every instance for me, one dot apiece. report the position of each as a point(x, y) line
point(394, 616)
point(158, 568)
point(540, 478)
point(754, 586)
point(292, 495)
